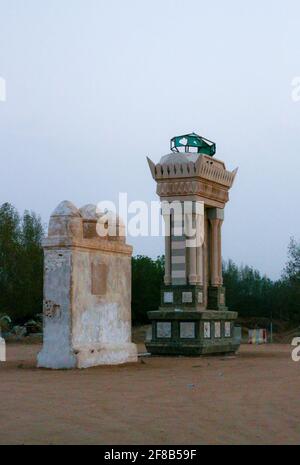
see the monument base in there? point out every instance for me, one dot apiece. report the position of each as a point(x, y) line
point(176, 332)
point(85, 357)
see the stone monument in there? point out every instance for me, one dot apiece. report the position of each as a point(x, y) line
point(87, 292)
point(193, 318)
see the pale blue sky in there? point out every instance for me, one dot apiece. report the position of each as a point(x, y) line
point(95, 86)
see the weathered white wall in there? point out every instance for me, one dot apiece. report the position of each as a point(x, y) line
point(101, 324)
point(57, 350)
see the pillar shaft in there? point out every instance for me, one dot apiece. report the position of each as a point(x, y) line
point(193, 265)
point(200, 248)
point(220, 276)
point(216, 216)
point(214, 252)
point(167, 277)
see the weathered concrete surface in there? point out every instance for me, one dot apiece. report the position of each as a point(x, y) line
point(87, 293)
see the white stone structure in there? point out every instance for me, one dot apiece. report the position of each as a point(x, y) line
point(87, 293)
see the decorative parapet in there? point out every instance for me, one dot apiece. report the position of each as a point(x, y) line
point(204, 168)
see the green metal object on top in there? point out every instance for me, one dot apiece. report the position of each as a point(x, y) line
point(189, 141)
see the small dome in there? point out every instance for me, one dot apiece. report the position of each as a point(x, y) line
point(90, 212)
point(180, 157)
point(66, 208)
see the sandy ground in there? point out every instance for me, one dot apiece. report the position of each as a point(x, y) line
point(253, 398)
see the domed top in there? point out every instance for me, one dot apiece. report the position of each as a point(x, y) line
point(90, 212)
point(179, 157)
point(192, 143)
point(66, 208)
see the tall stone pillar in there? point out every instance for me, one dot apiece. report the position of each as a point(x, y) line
point(200, 247)
point(193, 265)
point(179, 271)
point(194, 222)
point(216, 294)
point(220, 275)
point(167, 277)
point(189, 229)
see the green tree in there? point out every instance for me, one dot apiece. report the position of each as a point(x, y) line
point(292, 267)
point(291, 281)
point(147, 278)
point(10, 251)
point(31, 273)
point(247, 291)
point(21, 264)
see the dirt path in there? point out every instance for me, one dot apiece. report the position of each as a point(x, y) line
point(250, 399)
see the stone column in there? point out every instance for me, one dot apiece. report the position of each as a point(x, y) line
point(167, 277)
point(190, 234)
point(216, 216)
point(193, 265)
point(220, 276)
point(200, 247)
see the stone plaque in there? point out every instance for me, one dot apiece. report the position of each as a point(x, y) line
point(187, 330)
point(217, 329)
point(89, 229)
point(200, 297)
point(222, 299)
point(163, 329)
point(168, 297)
point(227, 329)
point(99, 278)
point(206, 329)
point(187, 297)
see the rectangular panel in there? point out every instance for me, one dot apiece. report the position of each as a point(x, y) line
point(227, 329)
point(200, 297)
point(187, 297)
point(206, 329)
point(217, 329)
point(89, 229)
point(164, 329)
point(99, 278)
point(168, 297)
point(187, 330)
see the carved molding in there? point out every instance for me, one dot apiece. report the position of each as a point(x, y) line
point(204, 168)
point(192, 187)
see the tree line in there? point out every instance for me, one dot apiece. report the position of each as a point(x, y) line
point(247, 290)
